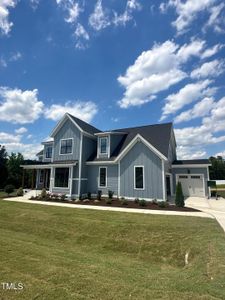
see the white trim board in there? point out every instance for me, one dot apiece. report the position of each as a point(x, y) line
point(190, 166)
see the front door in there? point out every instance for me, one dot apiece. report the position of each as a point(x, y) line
point(168, 186)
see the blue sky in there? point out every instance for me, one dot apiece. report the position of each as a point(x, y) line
point(114, 64)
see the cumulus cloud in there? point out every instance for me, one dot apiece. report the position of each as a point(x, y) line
point(210, 131)
point(188, 11)
point(200, 109)
point(5, 24)
point(21, 130)
point(215, 19)
point(72, 9)
point(157, 70)
point(9, 138)
point(212, 68)
point(82, 110)
point(188, 152)
point(81, 36)
point(188, 94)
point(99, 19)
point(19, 107)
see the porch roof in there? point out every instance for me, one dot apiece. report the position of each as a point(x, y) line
point(48, 165)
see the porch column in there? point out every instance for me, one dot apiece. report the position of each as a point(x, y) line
point(51, 179)
point(32, 180)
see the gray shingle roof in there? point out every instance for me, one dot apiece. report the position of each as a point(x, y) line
point(85, 126)
point(192, 162)
point(157, 135)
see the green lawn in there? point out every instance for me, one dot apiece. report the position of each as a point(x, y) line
point(62, 253)
point(5, 195)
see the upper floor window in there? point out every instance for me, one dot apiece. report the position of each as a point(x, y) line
point(66, 146)
point(48, 153)
point(103, 145)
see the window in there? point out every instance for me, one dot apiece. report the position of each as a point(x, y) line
point(66, 146)
point(103, 145)
point(61, 177)
point(139, 177)
point(183, 176)
point(41, 176)
point(102, 177)
point(48, 152)
point(195, 177)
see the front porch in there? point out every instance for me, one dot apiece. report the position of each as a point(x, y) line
point(56, 177)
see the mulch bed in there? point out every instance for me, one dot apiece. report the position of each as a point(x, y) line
point(130, 204)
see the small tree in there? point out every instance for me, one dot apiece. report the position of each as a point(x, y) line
point(19, 192)
point(179, 200)
point(110, 194)
point(9, 189)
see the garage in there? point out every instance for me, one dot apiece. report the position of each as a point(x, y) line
point(192, 185)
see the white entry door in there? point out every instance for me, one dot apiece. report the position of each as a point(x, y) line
point(192, 185)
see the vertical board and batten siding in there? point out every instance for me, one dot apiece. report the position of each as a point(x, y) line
point(115, 139)
point(112, 179)
point(193, 171)
point(141, 155)
point(68, 130)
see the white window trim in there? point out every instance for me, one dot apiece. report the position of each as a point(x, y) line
point(106, 175)
point(46, 152)
point(61, 145)
point(143, 167)
point(107, 153)
point(63, 188)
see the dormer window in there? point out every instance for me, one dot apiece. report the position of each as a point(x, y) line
point(48, 153)
point(104, 144)
point(66, 146)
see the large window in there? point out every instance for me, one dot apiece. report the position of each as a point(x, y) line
point(139, 177)
point(104, 145)
point(48, 153)
point(66, 146)
point(61, 177)
point(102, 177)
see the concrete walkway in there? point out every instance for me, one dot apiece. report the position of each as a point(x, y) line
point(118, 209)
point(215, 208)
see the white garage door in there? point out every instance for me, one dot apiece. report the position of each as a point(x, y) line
point(192, 185)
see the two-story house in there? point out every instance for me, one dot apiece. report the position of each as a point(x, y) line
point(138, 162)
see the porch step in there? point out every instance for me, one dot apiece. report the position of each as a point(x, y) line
point(30, 193)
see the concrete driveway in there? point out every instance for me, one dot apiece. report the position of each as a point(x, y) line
point(213, 207)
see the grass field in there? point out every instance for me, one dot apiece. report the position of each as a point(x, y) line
point(62, 253)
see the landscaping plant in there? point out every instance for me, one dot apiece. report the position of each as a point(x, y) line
point(110, 194)
point(99, 195)
point(19, 192)
point(9, 189)
point(179, 200)
point(142, 202)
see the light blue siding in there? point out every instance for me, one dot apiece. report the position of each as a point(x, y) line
point(112, 179)
point(190, 171)
point(115, 139)
point(141, 155)
point(67, 131)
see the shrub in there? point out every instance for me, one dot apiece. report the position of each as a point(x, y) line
point(108, 201)
point(154, 201)
point(142, 202)
point(43, 193)
point(136, 200)
point(19, 192)
point(110, 194)
point(9, 189)
point(123, 201)
point(99, 195)
point(163, 204)
point(63, 197)
point(89, 195)
point(179, 199)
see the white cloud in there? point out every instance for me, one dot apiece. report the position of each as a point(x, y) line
point(188, 94)
point(21, 130)
point(72, 8)
point(222, 153)
point(34, 4)
point(82, 37)
point(205, 134)
point(200, 109)
point(212, 68)
point(29, 151)
point(215, 19)
point(127, 16)
point(187, 11)
point(9, 138)
point(5, 24)
point(3, 63)
point(211, 51)
point(19, 106)
point(99, 19)
point(82, 110)
point(15, 56)
point(188, 152)
point(156, 70)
